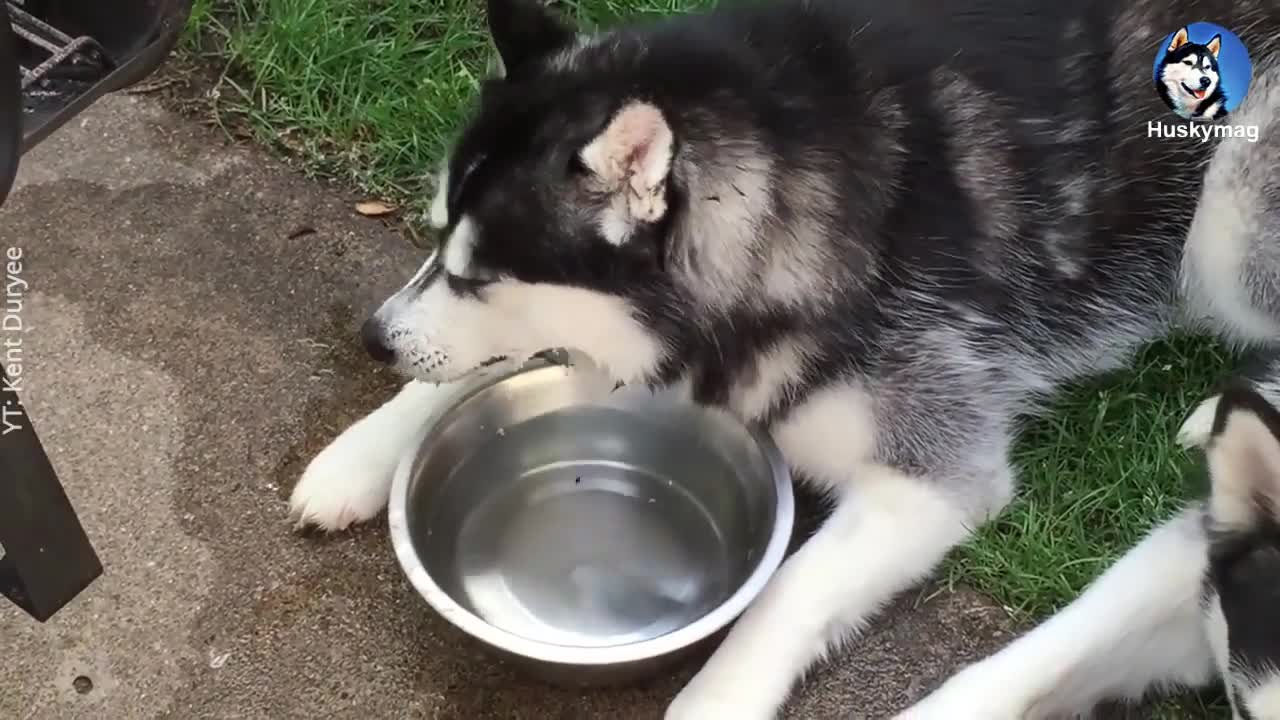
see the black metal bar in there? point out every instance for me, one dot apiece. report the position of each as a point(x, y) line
point(134, 39)
point(10, 106)
point(47, 558)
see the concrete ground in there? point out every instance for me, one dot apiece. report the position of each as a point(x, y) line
point(193, 306)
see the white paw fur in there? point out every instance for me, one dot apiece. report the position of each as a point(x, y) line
point(1196, 429)
point(350, 480)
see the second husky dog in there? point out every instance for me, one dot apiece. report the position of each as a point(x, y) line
point(882, 231)
point(1195, 602)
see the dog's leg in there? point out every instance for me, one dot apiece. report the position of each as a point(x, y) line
point(1140, 625)
point(350, 480)
point(888, 532)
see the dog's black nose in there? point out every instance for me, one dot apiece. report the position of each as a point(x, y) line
point(375, 342)
point(1204, 82)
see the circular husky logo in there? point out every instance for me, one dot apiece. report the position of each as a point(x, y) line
point(1202, 71)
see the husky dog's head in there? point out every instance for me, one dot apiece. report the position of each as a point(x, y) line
point(1189, 72)
point(618, 193)
point(1244, 563)
point(553, 207)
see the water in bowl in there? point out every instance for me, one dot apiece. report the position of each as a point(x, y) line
point(567, 539)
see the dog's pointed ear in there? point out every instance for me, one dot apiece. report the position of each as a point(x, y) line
point(525, 30)
point(1180, 38)
point(1215, 45)
point(632, 156)
point(1244, 461)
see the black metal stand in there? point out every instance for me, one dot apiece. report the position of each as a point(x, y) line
point(48, 559)
point(10, 105)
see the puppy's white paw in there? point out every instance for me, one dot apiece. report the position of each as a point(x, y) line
point(348, 482)
point(1196, 429)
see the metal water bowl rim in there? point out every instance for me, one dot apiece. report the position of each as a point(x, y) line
point(572, 655)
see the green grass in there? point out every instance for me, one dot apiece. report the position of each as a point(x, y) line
point(364, 91)
point(201, 17)
point(1096, 474)
point(370, 91)
point(367, 91)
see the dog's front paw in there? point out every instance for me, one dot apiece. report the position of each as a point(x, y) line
point(348, 482)
point(1196, 429)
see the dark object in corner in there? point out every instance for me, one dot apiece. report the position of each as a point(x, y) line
point(56, 58)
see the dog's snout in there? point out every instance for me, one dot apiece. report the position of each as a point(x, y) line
point(375, 342)
point(1204, 82)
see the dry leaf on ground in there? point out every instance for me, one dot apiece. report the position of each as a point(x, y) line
point(374, 208)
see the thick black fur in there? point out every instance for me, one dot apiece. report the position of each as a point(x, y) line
point(812, 89)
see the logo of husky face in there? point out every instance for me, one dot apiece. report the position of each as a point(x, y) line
point(1189, 79)
point(553, 206)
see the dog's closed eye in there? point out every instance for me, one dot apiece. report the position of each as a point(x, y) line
point(469, 285)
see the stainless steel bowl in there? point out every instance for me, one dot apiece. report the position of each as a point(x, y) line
point(594, 534)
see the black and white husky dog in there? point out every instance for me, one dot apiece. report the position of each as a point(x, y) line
point(1195, 602)
point(883, 231)
point(1189, 79)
